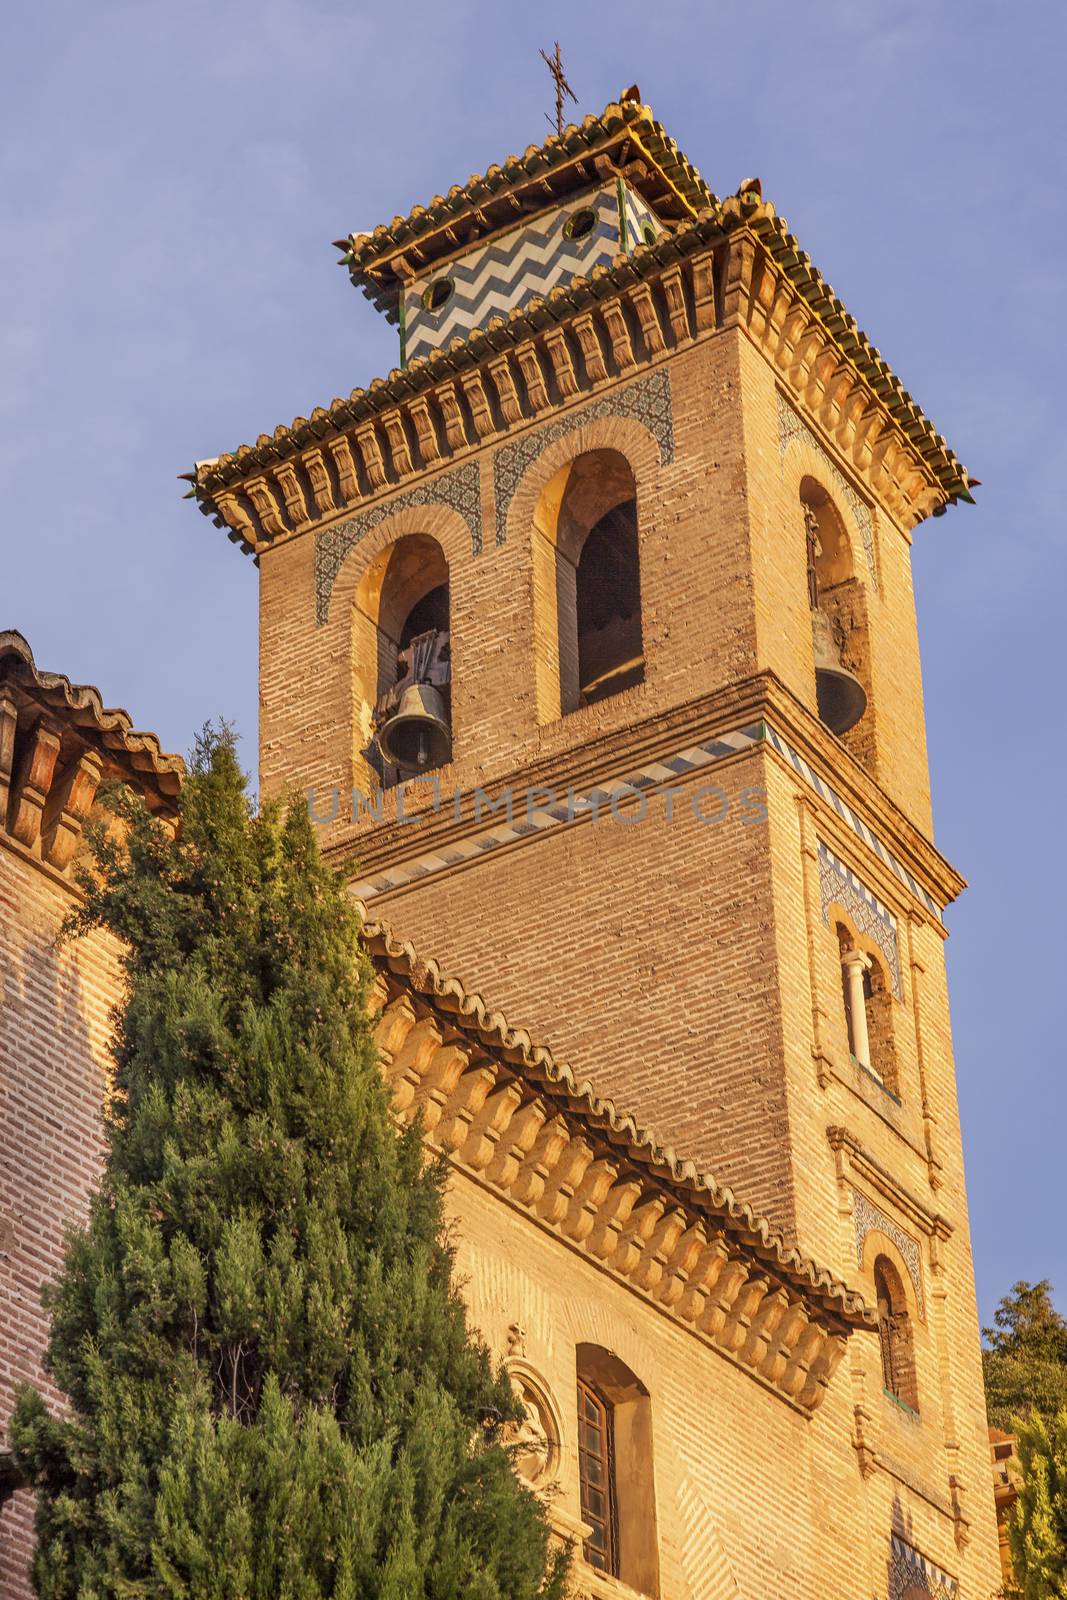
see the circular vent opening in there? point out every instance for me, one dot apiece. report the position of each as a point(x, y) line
point(437, 294)
point(580, 224)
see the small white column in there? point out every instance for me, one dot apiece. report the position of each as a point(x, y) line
point(854, 964)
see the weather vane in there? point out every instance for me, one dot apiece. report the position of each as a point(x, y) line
point(555, 66)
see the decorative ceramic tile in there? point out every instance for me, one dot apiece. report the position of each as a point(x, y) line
point(791, 427)
point(647, 401)
point(839, 885)
point(858, 826)
point(523, 812)
point(460, 489)
point(866, 1217)
point(513, 269)
point(911, 1573)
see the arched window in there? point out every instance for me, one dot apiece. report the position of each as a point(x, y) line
point(402, 678)
point(895, 1334)
point(587, 585)
point(615, 1470)
point(868, 1003)
point(838, 614)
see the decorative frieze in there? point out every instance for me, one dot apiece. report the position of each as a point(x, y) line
point(868, 1218)
point(839, 885)
point(647, 401)
point(460, 489)
point(912, 1574)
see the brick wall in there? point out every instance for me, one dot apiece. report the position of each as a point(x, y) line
point(54, 1006)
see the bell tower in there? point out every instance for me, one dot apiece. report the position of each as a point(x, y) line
point(589, 633)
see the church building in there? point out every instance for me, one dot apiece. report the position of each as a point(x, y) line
point(589, 634)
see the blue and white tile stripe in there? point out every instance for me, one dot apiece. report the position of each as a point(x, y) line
point(511, 270)
point(858, 826)
point(910, 1571)
point(572, 811)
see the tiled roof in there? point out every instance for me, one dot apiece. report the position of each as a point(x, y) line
point(691, 1186)
point(625, 131)
point(715, 222)
point(81, 707)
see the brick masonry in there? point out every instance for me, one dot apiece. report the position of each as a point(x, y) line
point(686, 968)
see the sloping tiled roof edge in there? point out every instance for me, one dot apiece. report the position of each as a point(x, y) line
point(585, 139)
point(713, 224)
point(692, 1186)
point(83, 704)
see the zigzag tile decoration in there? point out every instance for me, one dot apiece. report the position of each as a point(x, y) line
point(791, 427)
point(866, 1217)
point(839, 885)
point(510, 270)
point(460, 489)
point(858, 826)
point(647, 401)
point(571, 810)
point(911, 1573)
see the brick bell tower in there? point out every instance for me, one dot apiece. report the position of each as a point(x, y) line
point(590, 634)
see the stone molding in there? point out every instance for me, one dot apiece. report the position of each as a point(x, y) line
point(517, 1123)
point(852, 1153)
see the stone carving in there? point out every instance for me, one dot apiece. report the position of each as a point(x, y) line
point(534, 1440)
point(911, 1573)
point(839, 885)
point(792, 427)
point(866, 1217)
point(460, 489)
point(647, 401)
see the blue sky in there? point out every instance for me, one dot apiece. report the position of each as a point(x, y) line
point(171, 178)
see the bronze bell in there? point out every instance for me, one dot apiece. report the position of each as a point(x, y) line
point(417, 736)
point(841, 697)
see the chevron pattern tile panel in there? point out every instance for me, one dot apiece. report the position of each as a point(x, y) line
point(510, 270)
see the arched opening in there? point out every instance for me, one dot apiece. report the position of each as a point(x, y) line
point(615, 1475)
point(867, 995)
point(402, 669)
point(587, 585)
point(838, 617)
point(895, 1334)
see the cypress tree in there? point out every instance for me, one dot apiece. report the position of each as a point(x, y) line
point(273, 1390)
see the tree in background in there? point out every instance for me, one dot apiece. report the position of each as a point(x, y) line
point(274, 1393)
point(1025, 1363)
point(1037, 1528)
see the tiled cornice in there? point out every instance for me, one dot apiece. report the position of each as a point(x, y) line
point(735, 265)
point(58, 741)
point(516, 1121)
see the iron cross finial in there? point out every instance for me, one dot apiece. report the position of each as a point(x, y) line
point(554, 64)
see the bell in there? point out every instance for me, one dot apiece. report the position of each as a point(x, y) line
point(417, 736)
point(841, 697)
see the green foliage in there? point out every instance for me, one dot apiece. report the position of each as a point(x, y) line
point(274, 1391)
point(1037, 1528)
point(1025, 1363)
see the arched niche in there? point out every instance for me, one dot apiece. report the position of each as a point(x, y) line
point(588, 642)
point(839, 602)
point(403, 591)
point(616, 1469)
